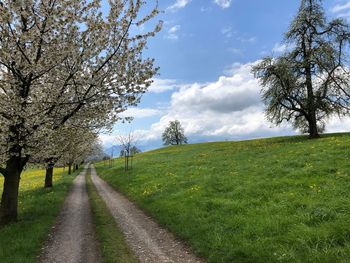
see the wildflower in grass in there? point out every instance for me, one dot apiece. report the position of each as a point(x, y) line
point(315, 188)
point(146, 193)
point(308, 165)
point(195, 188)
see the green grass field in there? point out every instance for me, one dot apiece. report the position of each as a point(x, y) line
point(270, 200)
point(38, 208)
point(111, 241)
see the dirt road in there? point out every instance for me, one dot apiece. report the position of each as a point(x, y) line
point(147, 239)
point(72, 239)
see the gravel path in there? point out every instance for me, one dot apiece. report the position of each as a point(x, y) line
point(72, 239)
point(147, 239)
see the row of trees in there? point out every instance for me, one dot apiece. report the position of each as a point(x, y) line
point(69, 146)
point(66, 71)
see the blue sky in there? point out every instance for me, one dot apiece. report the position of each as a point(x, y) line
point(205, 51)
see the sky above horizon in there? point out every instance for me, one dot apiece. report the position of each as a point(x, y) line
point(205, 52)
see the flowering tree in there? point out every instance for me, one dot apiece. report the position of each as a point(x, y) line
point(309, 83)
point(79, 146)
point(65, 63)
point(65, 145)
point(97, 152)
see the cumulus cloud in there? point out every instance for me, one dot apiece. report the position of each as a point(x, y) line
point(139, 113)
point(178, 5)
point(227, 94)
point(223, 3)
point(227, 108)
point(163, 85)
point(107, 139)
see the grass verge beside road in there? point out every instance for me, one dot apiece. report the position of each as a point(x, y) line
point(112, 244)
point(271, 200)
point(38, 209)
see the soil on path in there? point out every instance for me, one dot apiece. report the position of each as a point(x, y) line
point(149, 241)
point(72, 239)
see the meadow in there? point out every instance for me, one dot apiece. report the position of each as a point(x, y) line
point(38, 209)
point(283, 199)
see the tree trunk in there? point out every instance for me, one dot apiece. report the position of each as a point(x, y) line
point(73, 168)
point(311, 101)
point(49, 172)
point(76, 167)
point(126, 166)
point(48, 176)
point(313, 130)
point(69, 168)
point(9, 200)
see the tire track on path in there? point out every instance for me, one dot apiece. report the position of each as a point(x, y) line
point(72, 239)
point(150, 242)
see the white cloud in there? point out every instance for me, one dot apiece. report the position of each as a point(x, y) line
point(227, 95)
point(107, 139)
point(173, 32)
point(174, 29)
point(229, 107)
point(163, 85)
point(336, 124)
point(178, 5)
point(223, 3)
point(140, 113)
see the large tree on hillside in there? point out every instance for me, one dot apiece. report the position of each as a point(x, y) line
point(174, 134)
point(310, 81)
point(64, 63)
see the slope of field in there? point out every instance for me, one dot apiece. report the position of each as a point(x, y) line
point(38, 208)
point(271, 200)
